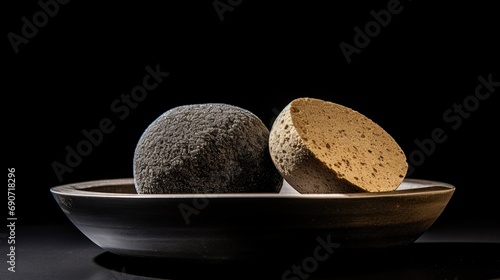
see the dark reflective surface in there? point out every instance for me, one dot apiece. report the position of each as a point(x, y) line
point(418, 261)
point(62, 252)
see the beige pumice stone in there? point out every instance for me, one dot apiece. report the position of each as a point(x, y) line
point(323, 147)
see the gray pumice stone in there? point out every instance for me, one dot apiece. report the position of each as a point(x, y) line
point(205, 148)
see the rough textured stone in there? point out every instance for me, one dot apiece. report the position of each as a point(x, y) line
point(323, 147)
point(205, 148)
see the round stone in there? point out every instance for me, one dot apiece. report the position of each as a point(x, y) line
point(205, 148)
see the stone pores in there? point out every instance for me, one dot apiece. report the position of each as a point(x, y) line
point(205, 148)
point(323, 147)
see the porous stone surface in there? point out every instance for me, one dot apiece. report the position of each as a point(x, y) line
point(205, 148)
point(324, 147)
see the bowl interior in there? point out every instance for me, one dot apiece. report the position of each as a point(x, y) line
point(125, 187)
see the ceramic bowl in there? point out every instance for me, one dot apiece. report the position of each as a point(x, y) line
point(219, 227)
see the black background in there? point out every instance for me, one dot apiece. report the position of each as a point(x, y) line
point(260, 57)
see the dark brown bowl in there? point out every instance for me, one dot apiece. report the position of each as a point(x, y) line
point(222, 227)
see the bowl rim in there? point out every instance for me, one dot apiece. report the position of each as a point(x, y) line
point(81, 189)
